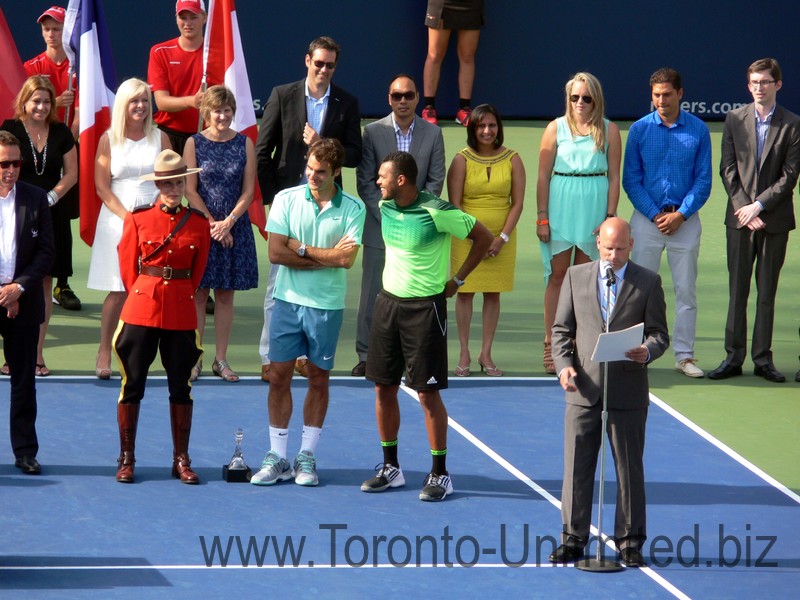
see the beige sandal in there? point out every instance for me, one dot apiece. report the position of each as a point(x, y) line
point(196, 370)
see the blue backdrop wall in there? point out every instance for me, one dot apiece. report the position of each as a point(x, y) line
point(528, 48)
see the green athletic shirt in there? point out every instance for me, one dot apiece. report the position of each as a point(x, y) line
point(417, 239)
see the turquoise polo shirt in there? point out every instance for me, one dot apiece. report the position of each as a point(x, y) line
point(295, 214)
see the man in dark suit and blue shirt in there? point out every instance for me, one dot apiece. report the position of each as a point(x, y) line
point(26, 255)
point(637, 297)
point(759, 169)
point(401, 130)
point(295, 116)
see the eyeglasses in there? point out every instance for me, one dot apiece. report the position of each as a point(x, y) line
point(397, 96)
point(321, 63)
point(574, 98)
point(762, 83)
point(5, 164)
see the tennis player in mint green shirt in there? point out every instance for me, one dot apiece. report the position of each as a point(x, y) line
point(314, 235)
point(409, 320)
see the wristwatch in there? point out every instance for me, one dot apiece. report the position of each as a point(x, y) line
point(459, 282)
point(301, 251)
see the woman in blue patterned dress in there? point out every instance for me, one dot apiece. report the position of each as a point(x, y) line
point(223, 191)
point(578, 188)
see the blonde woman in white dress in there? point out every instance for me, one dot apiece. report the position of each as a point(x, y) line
point(125, 152)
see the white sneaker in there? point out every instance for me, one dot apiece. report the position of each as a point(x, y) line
point(688, 366)
point(305, 469)
point(273, 469)
point(436, 488)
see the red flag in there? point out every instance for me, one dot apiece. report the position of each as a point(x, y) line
point(224, 61)
point(86, 35)
point(12, 75)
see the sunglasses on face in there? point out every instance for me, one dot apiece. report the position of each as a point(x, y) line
point(574, 98)
point(397, 96)
point(5, 164)
point(321, 63)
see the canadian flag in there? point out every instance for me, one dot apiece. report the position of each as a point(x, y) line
point(86, 35)
point(12, 75)
point(223, 60)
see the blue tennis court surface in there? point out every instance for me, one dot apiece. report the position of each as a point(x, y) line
point(716, 529)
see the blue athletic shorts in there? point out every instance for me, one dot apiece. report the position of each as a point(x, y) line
point(296, 330)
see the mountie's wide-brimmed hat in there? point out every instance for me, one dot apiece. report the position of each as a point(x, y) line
point(169, 165)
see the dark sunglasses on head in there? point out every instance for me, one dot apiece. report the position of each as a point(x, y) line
point(397, 96)
point(4, 164)
point(574, 98)
point(321, 63)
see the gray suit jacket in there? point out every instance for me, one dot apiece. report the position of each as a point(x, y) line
point(427, 147)
point(579, 322)
point(771, 182)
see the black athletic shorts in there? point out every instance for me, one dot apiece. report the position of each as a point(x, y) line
point(408, 335)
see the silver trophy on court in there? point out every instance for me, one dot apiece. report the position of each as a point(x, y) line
point(237, 471)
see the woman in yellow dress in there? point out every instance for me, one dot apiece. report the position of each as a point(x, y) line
point(486, 180)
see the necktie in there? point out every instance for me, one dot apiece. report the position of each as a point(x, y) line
point(612, 299)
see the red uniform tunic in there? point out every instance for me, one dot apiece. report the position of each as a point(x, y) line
point(155, 301)
point(58, 74)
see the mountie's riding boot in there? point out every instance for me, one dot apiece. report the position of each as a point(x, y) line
point(181, 417)
point(127, 419)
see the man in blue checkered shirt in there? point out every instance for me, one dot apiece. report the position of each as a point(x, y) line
point(667, 177)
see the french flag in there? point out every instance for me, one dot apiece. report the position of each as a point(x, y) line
point(223, 60)
point(86, 36)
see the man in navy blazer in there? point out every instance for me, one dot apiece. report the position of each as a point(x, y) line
point(400, 130)
point(295, 116)
point(759, 169)
point(579, 321)
point(26, 255)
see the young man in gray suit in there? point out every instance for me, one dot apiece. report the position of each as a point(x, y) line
point(401, 130)
point(759, 169)
point(579, 321)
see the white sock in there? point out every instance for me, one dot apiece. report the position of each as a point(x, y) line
point(310, 438)
point(278, 440)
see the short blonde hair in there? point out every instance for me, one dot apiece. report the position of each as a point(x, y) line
point(29, 88)
point(128, 90)
point(215, 97)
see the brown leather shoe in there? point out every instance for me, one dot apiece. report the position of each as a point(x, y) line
point(301, 367)
point(265, 372)
point(181, 420)
point(127, 419)
point(182, 469)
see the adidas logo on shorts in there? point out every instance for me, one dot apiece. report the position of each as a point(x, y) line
point(432, 381)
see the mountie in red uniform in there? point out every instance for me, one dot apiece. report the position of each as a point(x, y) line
point(162, 255)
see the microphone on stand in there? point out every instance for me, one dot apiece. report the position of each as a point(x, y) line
point(610, 276)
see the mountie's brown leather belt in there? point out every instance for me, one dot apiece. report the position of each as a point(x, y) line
point(166, 272)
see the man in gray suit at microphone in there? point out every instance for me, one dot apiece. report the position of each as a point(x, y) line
point(636, 297)
point(401, 130)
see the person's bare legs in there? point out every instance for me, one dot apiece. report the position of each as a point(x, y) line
point(47, 288)
point(437, 48)
point(223, 321)
point(109, 319)
point(491, 316)
point(467, 48)
point(464, 301)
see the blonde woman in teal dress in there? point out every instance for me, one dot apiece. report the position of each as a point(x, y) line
point(578, 188)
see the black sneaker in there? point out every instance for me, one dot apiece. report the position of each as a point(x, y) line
point(66, 298)
point(388, 476)
point(436, 488)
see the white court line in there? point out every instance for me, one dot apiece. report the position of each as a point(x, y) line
point(474, 440)
point(725, 448)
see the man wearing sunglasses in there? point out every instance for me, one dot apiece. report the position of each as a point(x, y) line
point(759, 173)
point(667, 177)
point(400, 130)
point(295, 116)
point(26, 255)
